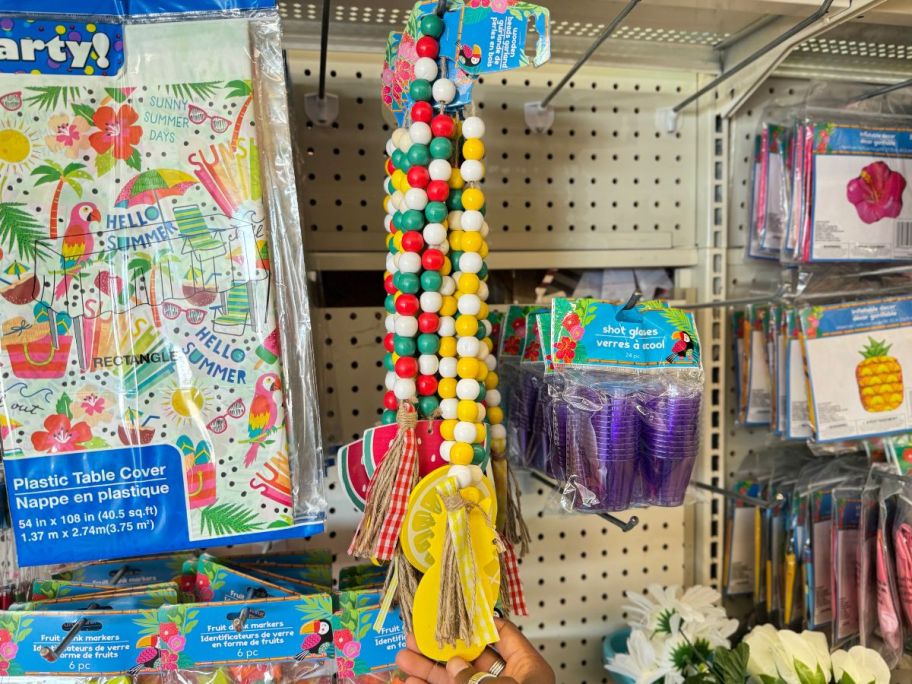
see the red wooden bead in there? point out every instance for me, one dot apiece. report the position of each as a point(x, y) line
point(407, 305)
point(390, 167)
point(390, 287)
point(418, 176)
point(427, 47)
point(422, 111)
point(443, 126)
point(390, 402)
point(427, 385)
point(406, 367)
point(388, 342)
point(438, 191)
point(428, 322)
point(432, 260)
point(412, 241)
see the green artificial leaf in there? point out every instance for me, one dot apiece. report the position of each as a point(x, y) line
point(732, 663)
point(846, 679)
point(808, 676)
point(104, 162)
point(85, 112)
point(63, 405)
point(220, 520)
point(135, 161)
point(20, 231)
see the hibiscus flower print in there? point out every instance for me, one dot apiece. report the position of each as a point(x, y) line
point(68, 134)
point(116, 131)
point(346, 669)
point(511, 346)
point(565, 350)
point(59, 435)
point(9, 650)
point(93, 406)
point(168, 630)
point(877, 192)
point(168, 661)
point(531, 351)
point(571, 320)
point(501, 6)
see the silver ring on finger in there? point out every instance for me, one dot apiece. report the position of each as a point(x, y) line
point(498, 667)
point(480, 677)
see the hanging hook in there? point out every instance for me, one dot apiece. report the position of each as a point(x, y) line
point(441, 8)
point(737, 496)
point(52, 654)
point(240, 621)
point(624, 525)
point(633, 301)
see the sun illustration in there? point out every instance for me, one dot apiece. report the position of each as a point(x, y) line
point(185, 404)
point(17, 147)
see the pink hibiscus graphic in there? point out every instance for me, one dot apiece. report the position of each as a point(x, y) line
point(346, 669)
point(576, 333)
point(168, 661)
point(565, 350)
point(876, 192)
point(8, 650)
point(177, 643)
point(4, 668)
point(501, 6)
point(5, 636)
point(60, 435)
point(352, 649)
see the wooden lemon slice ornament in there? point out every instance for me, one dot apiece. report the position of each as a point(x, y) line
point(474, 542)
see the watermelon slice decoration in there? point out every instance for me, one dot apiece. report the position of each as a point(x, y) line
point(378, 439)
point(353, 474)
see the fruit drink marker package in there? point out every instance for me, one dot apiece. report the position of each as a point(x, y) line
point(862, 204)
point(846, 536)
point(740, 547)
point(855, 356)
point(152, 597)
point(759, 388)
point(150, 250)
point(737, 332)
point(798, 425)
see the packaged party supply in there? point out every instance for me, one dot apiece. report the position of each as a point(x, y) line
point(798, 423)
point(531, 396)
point(846, 538)
point(855, 355)
point(866, 562)
point(770, 192)
point(741, 555)
point(366, 638)
point(160, 404)
point(631, 392)
point(758, 390)
point(889, 607)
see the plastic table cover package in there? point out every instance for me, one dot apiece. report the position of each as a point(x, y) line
point(156, 358)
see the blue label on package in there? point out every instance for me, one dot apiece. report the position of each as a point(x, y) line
point(883, 142)
point(847, 318)
point(62, 48)
point(106, 504)
point(122, 8)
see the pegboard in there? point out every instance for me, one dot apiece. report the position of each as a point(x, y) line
point(603, 187)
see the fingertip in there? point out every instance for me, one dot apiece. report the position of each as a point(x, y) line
point(411, 643)
point(456, 665)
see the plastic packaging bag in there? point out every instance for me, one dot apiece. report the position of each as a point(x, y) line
point(846, 539)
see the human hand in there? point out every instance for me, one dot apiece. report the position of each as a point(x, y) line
point(524, 665)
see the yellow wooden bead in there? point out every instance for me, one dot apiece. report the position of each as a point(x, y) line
point(456, 181)
point(398, 177)
point(471, 241)
point(467, 367)
point(483, 311)
point(483, 250)
point(447, 347)
point(386, 202)
point(489, 343)
point(447, 429)
point(467, 411)
point(406, 186)
point(389, 239)
point(471, 494)
point(491, 381)
point(468, 282)
point(473, 148)
point(461, 454)
point(466, 326)
point(448, 307)
point(446, 388)
point(481, 431)
point(455, 238)
point(473, 199)
point(395, 357)
point(482, 372)
point(397, 240)
point(495, 415)
point(447, 267)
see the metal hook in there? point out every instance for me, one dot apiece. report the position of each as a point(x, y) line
point(119, 575)
point(52, 654)
point(884, 90)
point(241, 620)
point(322, 109)
point(625, 526)
point(633, 301)
point(441, 8)
point(730, 494)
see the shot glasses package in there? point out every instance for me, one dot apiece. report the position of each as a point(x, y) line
point(629, 401)
point(532, 395)
point(158, 381)
point(855, 356)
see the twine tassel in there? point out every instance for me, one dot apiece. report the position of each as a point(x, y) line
point(515, 531)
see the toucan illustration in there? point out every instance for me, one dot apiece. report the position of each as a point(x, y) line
point(470, 56)
point(681, 347)
point(318, 640)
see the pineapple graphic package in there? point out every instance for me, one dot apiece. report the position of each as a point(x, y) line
point(855, 355)
point(145, 398)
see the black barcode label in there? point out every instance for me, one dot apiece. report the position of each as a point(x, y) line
point(903, 234)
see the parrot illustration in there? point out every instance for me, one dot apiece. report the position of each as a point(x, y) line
point(264, 412)
point(680, 348)
point(318, 642)
point(78, 242)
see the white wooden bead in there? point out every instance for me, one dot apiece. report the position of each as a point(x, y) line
point(472, 220)
point(428, 364)
point(464, 432)
point(405, 142)
point(482, 412)
point(492, 398)
point(483, 352)
point(447, 367)
point(387, 222)
point(416, 198)
point(468, 389)
point(470, 262)
point(390, 322)
point(445, 448)
point(444, 247)
point(390, 381)
point(487, 326)
point(425, 68)
point(473, 127)
point(454, 220)
point(483, 291)
point(440, 169)
point(491, 362)
point(485, 229)
point(444, 90)
point(449, 408)
point(448, 286)
point(434, 233)
point(390, 148)
point(498, 431)
point(404, 388)
point(409, 262)
point(477, 474)
point(463, 474)
point(431, 301)
point(447, 327)
point(397, 135)
point(455, 276)
point(396, 199)
point(467, 346)
point(472, 170)
point(469, 304)
point(406, 326)
point(391, 264)
point(420, 133)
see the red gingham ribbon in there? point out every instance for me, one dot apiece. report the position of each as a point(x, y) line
point(514, 583)
point(389, 534)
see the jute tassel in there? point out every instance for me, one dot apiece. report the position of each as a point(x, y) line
point(515, 531)
point(387, 496)
point(407, 578)
point(454, 619)
point(506, 599)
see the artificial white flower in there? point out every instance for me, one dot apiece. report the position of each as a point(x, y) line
point(699, 601)
point(766, 653)
point(859, 665)
point(807, 654)
point(648, 609)
point(641, 662)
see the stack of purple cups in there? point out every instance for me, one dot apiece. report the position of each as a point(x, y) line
point(669, 443)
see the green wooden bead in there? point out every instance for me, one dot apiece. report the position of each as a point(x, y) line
point(408, 283)
point(398, 156)
point(427, 406)
point(484, 209)
point(478, 454)
point(431, 25)
point(406, 164)
point(441, 148)
point(436, 212)
point(419, 155)
point(420, 90)
point(454, 201)
point(454, 259)
point(481, 334)
point(388, 362)
point(388, 417)
point(404, 346)
point(483, 272)
point(388, 186)
point(428, 343)
point(431, 281)
point(397, 220)
point(481, 392)
point(413, 220)
point(390, 304)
